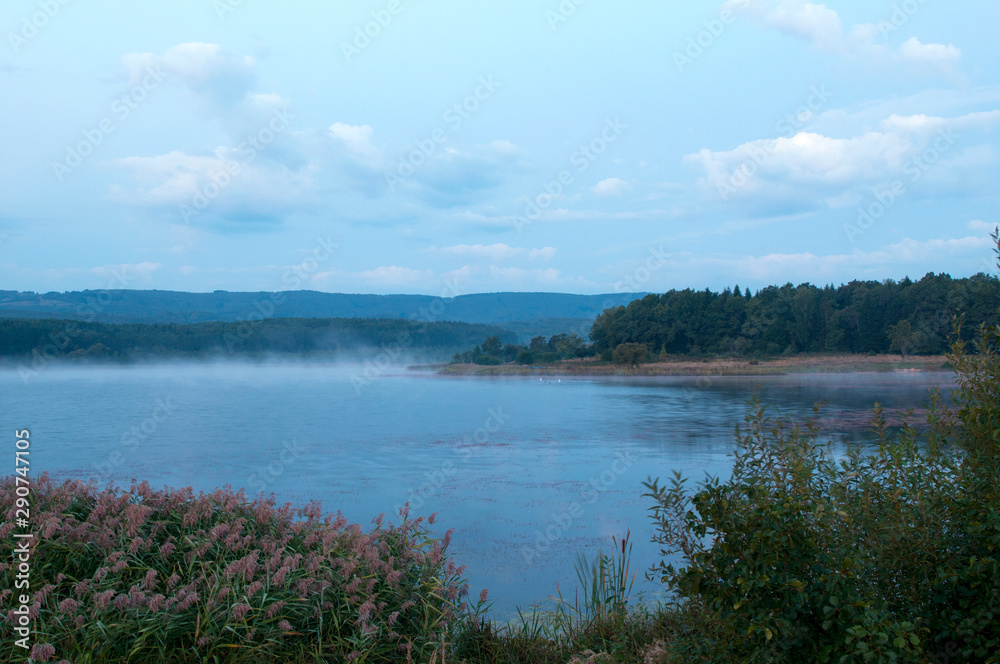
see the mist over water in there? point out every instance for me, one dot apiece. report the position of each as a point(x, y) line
point(528, 471)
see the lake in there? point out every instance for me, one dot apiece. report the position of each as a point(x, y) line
point(529, 472)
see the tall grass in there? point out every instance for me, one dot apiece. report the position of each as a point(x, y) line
point(141, 575)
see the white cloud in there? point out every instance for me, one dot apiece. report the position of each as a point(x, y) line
point(982, 226)
point(821, 27)
point(357, 139)
point(545, 253)
point(611, 187)
point(906, 257)
point(212, 186)
point(209, 69)
point(938, 55)
point(811, 166)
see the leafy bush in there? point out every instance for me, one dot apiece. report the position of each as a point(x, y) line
point(167, 576)
point(630, 354)
point(525, 357)
point(890, 555)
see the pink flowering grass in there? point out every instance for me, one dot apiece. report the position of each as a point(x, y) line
point(142, 575)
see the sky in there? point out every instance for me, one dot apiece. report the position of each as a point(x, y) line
point(444, 148)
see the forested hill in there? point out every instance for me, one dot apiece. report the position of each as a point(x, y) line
point(134, 306)
point(44, 340)
point(913, 317)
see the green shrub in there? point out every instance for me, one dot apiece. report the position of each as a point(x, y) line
point(888, 555)
point(525, 357)
point(630, 354)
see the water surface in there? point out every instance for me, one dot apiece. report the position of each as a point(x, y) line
point(528, 472)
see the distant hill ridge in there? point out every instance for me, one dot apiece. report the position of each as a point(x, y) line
point(156, 306)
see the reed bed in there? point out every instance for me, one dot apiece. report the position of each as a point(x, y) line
point(144, 575)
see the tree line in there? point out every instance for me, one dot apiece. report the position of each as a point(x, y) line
point(909, 317)
point(557, 347)
point(27, 338)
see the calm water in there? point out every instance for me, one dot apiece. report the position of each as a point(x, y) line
point(527, 472)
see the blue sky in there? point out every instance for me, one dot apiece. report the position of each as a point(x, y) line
point(399, 146)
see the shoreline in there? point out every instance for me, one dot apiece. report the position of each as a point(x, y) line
point(827, 364)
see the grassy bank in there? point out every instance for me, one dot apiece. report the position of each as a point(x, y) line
point(712, 367)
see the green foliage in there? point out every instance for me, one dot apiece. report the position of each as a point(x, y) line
point(630, 355)
point(45, 340)
point(525, 357)
point(859, 317)
point(885, 555)
point(605, 584)
point(558, 347)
